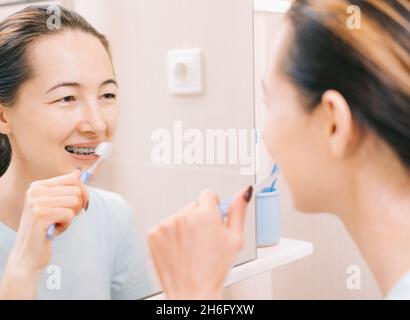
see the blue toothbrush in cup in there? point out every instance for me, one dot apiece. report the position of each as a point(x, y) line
point(103, 150)
point(271, 180)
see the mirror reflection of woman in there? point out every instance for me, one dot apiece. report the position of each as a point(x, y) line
point(338, 125)
point(58, 90)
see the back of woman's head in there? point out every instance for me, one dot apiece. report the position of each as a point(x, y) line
point(17, 33)
point(369, 66)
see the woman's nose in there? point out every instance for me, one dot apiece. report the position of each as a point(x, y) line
point(92, 119)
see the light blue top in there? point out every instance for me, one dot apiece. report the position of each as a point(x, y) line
point(401, 291)
point(100, 256)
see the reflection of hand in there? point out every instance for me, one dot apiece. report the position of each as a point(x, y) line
point(194, 250)
point(56, 200)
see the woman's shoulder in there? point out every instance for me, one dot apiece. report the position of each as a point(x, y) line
point(107, 197)
point(113, 205)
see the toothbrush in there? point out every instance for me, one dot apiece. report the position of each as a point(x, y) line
point(226, 203)
point(103, 150)
point(272, 187)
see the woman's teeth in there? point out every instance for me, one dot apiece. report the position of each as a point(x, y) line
point(81, 151)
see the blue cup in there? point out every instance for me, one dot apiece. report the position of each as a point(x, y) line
point(268, 226)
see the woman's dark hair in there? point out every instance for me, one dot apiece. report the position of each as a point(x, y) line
point(17, 33)
point(369, 66)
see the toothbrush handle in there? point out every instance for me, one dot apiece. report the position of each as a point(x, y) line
point(224, 206)
point(50, 231)
point(85, 178)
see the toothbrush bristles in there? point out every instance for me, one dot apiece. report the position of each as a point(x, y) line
point(103, 149)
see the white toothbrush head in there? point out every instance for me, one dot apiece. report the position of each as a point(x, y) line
point(103, 149)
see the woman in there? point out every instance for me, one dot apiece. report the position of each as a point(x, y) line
point(338, 125)
point(57, 103)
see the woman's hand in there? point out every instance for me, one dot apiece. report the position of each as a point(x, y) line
point(57, 200)
point(194, 250)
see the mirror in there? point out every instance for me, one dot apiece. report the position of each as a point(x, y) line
point(186, 106)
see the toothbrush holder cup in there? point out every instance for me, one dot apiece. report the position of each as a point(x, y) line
point(268, 226)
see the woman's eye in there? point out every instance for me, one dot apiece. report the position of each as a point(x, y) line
point(67, 99)
point(109, 96)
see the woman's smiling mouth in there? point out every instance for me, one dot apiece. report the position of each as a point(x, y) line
point(82, 151)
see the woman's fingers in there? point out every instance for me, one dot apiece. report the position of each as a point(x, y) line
point(70, 202)
point(47, 202)
point(208, 201)
point(58, 191)
point(189, 206)
point(194, 250)
point(84, 195)
point(70, 179)
point(237, 211)
point(62, 217)
point(67, 185)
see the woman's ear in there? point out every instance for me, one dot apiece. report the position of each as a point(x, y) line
point(4, 120)
point(339, 128)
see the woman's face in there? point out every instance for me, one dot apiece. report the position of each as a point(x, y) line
point(295, 138)
point(69, 103)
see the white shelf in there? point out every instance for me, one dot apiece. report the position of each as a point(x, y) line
point(287, 251)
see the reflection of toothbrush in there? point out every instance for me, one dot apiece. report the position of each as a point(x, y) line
point(103, 150)
point(271, 180)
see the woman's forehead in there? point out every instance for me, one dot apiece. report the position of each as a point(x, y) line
point(69, 56)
